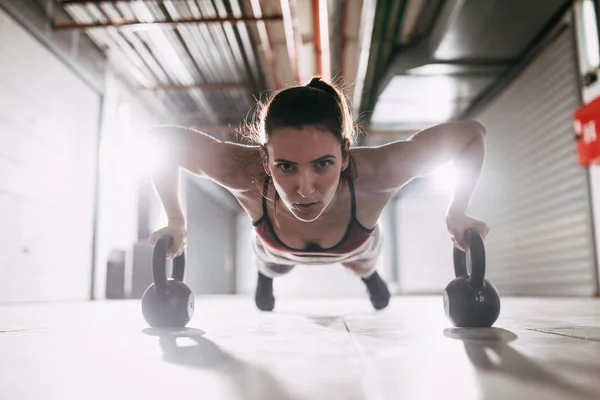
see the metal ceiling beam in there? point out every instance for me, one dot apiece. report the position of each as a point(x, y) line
point(70, 25)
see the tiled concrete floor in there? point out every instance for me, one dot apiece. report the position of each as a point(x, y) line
point(307, 349)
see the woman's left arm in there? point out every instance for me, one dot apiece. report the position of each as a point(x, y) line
point(395, 164)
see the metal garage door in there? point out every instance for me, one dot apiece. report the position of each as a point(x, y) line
point(532, 192)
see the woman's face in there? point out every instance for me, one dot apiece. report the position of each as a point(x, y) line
point(305, 165)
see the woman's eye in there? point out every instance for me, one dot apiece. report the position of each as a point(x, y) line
point(324, 164)
point(286, 167)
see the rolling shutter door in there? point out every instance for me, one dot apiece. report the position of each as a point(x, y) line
point(532, 193)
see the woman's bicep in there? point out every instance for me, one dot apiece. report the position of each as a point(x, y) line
point(431, 148)
point(232, 165)
point(228, 164)
point(396, 163)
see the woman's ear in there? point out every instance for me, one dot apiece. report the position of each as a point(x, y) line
point(264, 155)
point(346, 154)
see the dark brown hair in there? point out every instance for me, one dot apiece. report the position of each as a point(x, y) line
point(317, 104)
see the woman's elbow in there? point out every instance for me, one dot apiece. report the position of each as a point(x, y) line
point(476, 126)
point(464, 126)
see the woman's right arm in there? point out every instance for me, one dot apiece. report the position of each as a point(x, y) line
point(230, 165)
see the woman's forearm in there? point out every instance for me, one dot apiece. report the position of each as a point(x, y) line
point(169, 143)
point(166, 183)
point(468, 168)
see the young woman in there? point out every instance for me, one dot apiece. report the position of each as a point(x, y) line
point(313, 198)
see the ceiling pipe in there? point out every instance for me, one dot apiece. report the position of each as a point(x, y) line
point(343, 42)
point(325, 46)
point(321, 38)
point(364, 49)
point(288, 8)
point(70, 25)
point(317, 37)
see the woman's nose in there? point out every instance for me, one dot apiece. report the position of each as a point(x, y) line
point(305, 185)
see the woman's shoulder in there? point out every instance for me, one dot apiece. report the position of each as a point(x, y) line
point(374, 170)
point(365, 167)
point(251, 200)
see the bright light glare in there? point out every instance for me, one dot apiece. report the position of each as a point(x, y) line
point(434, 69)
point(126, 151)
point(591, 35)
point(144, 155)
point(419, 112)
point(416, 100)
point(445, 178)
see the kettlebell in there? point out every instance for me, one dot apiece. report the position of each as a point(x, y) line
point(471, 300)
point(167, 302)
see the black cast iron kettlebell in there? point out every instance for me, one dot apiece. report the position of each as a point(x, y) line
point(167, 302)
point(471, 300)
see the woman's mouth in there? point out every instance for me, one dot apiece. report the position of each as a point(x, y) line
point(306, 207)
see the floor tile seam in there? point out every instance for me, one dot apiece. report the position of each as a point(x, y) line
point(369, 383)
point(563, 334)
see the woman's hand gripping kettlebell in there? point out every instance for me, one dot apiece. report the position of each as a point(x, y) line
point(458, 223)
point(175, 228)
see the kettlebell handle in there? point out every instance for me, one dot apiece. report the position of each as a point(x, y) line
point(159, 263)
point(477, 257)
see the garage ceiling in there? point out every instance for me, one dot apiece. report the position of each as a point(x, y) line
point(406, 64)
point(453, 66)
point(209, 60)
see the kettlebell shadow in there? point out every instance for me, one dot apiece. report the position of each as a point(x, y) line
point(251, 381)
point(480, 342)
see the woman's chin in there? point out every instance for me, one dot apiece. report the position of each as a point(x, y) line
point(304, 218)
point(306, 215)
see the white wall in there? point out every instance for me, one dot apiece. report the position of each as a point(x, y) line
point(50, 121)
point(48, 133)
